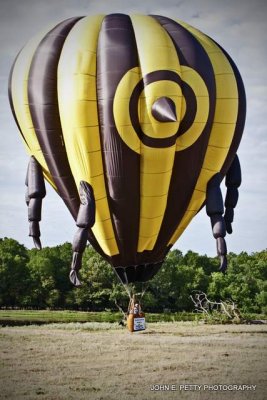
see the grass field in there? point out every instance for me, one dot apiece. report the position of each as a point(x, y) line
point(27, 317)
point(39, 317)
point(104, 361)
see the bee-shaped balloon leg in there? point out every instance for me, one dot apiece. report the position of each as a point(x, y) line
point(215, 208)
point(85, 220)
point(35, 192)
point(233, 181)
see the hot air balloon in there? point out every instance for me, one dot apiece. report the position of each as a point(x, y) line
point(134, 121)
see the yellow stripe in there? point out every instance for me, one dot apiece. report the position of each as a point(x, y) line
point(155, 175)
point(121, 109)
point(194, 80)
point(223, 128)
point(19, 91)
point(156, 52)
point(78, 112)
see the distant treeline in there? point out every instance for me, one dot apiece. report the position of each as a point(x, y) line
point(39, 279)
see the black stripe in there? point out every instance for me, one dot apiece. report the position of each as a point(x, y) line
point(116, 55)
point(43, 103)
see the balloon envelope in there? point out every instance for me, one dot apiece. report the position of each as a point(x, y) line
point(144, 109)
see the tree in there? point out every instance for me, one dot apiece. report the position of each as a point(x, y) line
point(43, 292)
point(178, 277)
point(98, 283)
point(32, 278)
point(49, 269)
point(14, 274)
point(244, 282)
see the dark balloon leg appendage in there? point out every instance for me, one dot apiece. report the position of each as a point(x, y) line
point(233, 181)
point(78, 247)
point(35, 192)
point(85, 220)
point(215, 210)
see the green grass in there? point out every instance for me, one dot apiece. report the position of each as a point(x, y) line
point(20, 317)
point(9, 317)
point(27, 317)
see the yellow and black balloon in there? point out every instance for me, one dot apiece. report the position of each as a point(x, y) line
point(131, 119)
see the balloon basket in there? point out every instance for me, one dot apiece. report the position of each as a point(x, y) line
point(135, 317)
point(136, 323)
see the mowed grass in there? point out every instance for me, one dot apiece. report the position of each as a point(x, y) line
point(27, 317)
point(103, 361)
point(48, 316)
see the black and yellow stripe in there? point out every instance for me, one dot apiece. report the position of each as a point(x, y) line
point(82, 95)
point(44, 110)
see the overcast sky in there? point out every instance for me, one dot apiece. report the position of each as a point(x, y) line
point(238, 25)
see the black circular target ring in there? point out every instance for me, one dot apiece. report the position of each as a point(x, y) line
point(187, 121)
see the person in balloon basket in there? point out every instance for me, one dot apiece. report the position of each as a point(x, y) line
point(137, 312)
point(136, 309)
point(134, 312)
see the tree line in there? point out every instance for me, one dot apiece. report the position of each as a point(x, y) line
point(39, 279)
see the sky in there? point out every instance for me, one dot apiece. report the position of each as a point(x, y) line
point(237, 25)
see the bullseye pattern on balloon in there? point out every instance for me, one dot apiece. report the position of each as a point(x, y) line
point(134, 118)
